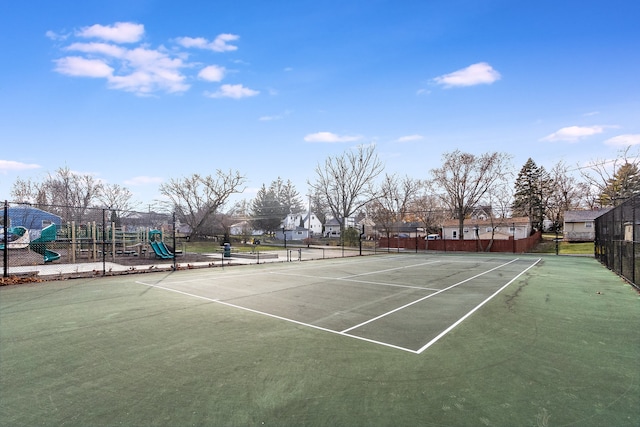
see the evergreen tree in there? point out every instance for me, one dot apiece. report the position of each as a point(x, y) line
point(287, 196)
point(624, 184)
point(267, 212)
point(532, 191)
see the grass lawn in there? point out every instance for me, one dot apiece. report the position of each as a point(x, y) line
point(211, 247)
point(548, 246)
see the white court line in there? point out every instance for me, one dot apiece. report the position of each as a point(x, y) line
point(352, 280)
point(345, 332)
point(388, 269)
point(217, 301)
point(424, 298)
point(446, 331)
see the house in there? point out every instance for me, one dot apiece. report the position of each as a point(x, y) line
point(31, 218)
point(297, 233)
point(243, 228)
point(368, 227)
point(332, 228)
point(305, 220)
point(480, 229)
point(313, 224)
point(482, 212)
point(403, 229)
point(578, 225)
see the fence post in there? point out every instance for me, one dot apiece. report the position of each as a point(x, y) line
point(104, 244)
point(174, 242)
point(633, 240)
point(5, 254)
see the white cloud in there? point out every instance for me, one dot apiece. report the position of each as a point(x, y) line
point(56, 36)
point(220, 44)
point(573, 133)
point(624, 140)
point(11, 166)
point(141, 69)
point(212, 73)
point(410, 138)
point(120, 32)
point(82, 67)
point(98, 48)
point(233, 91)
point(480, 73)
point(330, 137)
point(146, 70)
point(275, 117)
point(143, 180)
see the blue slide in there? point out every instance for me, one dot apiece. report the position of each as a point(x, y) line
point(38, 245)
point(161, 250)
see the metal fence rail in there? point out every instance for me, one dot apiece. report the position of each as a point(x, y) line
point(617, 243)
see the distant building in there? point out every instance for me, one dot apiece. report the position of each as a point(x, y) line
point(500, 228)
point(579, 224)
point(31, 218)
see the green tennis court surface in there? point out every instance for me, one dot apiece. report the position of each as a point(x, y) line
point(400, 301)
point(380, 340)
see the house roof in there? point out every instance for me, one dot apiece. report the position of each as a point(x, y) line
point(584, 215)
point(496, 222)
point(332, 221)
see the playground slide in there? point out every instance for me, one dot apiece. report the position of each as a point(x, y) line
point(38, 245)
point(165, 250)
point(161, 250)
point(20, 238)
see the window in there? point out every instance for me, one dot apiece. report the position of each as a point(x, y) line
point(588, 224)
point(454, 235)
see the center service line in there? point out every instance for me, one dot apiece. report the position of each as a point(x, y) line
point(428, 296)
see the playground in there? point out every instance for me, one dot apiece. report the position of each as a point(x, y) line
point(87, 243)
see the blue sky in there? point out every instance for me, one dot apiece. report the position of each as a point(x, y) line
point(138, 92)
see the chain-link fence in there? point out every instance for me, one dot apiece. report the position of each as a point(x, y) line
point(51, 241)
point(617, 243)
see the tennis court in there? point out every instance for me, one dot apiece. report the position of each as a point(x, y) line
point(388, 339)
point(400, 301)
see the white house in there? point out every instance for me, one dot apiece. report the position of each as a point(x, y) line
point(579, 225)
point(244, 228)
point(499, 228)
point(308, 221)
point(332, 226)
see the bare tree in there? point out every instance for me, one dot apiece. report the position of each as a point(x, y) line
point(601, 174)
point(396, 196)
point(346, 182)
point(499, 198)
point(65, 192)
point(465, 179)
point(116, 197)
point(565, 193)
point(27, 191)
point(429, 210)
point(197, 199)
